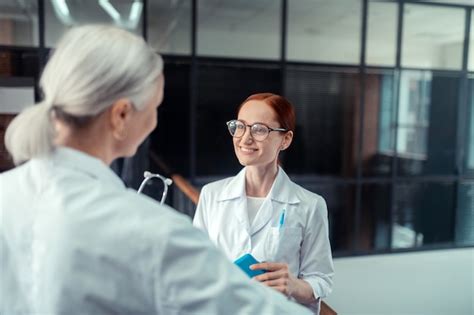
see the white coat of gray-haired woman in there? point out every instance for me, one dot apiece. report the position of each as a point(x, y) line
point(73, 239)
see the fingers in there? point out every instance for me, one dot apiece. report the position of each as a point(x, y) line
point(277, 277)
point(270, 266)
point(280, 282)
point(270, 276)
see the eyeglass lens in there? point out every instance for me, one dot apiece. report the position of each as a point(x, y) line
point(258, 131)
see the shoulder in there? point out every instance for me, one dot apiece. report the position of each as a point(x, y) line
point(16, 172)
point(122, 210)
point(312, 201)
point(126, 221)
point(29, 176)
point(9, 175)
point(305, 195)
point(147, 208)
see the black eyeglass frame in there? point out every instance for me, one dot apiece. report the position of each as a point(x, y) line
point(270, 129)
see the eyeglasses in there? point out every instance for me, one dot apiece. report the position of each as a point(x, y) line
point(258, 131)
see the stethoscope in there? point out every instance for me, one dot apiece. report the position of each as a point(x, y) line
point(166, 182)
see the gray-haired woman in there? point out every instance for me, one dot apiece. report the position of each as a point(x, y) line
point(73, 239)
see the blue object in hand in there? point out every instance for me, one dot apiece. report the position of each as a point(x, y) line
point(245, 262)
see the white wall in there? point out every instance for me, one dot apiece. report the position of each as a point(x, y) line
point(424, 283)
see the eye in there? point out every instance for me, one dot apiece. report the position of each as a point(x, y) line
point(259, 129)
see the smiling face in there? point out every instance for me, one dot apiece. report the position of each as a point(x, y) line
point(260, 153)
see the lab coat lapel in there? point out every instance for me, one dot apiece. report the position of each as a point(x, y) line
point(234, 197)
point(264, 215)
point(283, 190)
point(281, 194)
point(240, 230)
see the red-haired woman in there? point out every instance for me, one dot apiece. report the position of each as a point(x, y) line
point(262, 212)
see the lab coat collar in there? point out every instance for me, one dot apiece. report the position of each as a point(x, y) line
point(88, 164)
point(281, 191)
point(235, 188)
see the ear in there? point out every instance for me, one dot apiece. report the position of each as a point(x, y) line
point(120, 113)
point(287, 139)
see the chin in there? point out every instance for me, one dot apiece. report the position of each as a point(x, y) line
point(245, 161)
point(248, 160)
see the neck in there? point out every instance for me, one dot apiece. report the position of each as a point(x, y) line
point(259, 179)
point(91, 140)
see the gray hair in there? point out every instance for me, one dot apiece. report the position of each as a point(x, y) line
point(92, 67)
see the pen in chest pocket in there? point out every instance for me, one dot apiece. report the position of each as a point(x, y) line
point(282, 219)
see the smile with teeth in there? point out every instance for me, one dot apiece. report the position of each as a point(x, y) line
point(247, 150)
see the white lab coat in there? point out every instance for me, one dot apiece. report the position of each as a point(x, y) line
point(74, 240)
point(302, 242)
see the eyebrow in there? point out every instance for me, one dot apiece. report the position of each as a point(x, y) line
point(258, 122)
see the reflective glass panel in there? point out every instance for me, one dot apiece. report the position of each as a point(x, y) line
point(169, 26)
point(374, 229)
point(170, 141)
point(465, 214)
point(378, 143)
point(326, 138)
point(381, 33)
point(239, 28)
point(469, 152)
point(427, 123)
point(19, 63)
point(433, 37)
point(423, 214)
point(470, 60)
point(61, 15)
point(324, 31)
point(19, 23)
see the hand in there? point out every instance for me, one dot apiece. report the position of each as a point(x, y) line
point(277, 277)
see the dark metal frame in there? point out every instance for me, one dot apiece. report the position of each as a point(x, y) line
point(194, 90)
point(362, 85)
point(458, 177)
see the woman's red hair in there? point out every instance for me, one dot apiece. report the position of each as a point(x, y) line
point(285, 113)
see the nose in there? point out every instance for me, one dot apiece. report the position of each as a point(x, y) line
point(247, 137)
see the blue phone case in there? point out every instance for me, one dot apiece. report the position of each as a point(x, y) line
point(245, 262)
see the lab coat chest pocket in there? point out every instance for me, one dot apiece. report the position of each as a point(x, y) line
point(285, 244)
